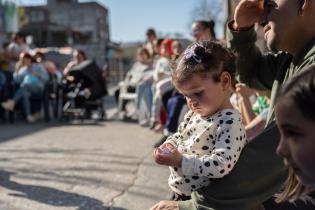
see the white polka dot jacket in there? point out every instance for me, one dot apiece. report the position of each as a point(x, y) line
point(210, 149)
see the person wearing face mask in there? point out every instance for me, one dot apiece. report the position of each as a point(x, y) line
point(289, 33)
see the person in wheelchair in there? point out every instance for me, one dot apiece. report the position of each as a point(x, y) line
point(83, 86)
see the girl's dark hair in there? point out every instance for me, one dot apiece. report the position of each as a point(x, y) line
point(204, 57)
point(300, 89)
point(208, 25)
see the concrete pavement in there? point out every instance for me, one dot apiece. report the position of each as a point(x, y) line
point(79, 167)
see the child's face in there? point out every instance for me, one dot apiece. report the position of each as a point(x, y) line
point(177, 48)
point(297, 143)
point(203, 95)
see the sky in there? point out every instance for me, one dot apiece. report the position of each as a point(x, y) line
point(129, 19)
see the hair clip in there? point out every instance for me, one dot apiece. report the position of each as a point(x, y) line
point(190, 53)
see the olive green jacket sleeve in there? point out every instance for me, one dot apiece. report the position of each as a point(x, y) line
point(255, 69)
point(257, 176)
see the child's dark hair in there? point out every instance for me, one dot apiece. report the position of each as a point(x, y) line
point(205, 58)
point(300, 89)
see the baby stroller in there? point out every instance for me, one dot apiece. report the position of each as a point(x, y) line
point(83, 91)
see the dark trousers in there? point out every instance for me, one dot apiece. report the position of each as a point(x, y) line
point(174, 107)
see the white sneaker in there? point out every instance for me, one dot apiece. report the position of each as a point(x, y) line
point(8, 105)
point(144, 123)
point(37, 115)
point(30, 119)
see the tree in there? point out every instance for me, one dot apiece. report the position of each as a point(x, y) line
point(210, 10)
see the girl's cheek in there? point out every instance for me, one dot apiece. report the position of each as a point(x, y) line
point(306, 161)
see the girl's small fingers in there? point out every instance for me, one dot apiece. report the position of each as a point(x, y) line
point(154, 207)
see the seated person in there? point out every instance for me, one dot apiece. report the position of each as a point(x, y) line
point(30, 78)
point(140, 69)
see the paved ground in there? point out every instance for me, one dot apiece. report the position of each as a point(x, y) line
point(79, 167)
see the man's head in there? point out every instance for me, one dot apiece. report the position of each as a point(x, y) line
point(289, 24)
point(151, 35)
point(18, 38)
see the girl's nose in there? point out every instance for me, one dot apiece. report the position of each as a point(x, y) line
point(282, 149)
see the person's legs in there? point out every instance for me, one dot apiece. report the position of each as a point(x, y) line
point(174, 107)
point(166, 96)
point(140, 92)
point(153, 116)
point(144, 102)
point(18, 95)
point(24, 93)
point(147, 98)
point(161, 87)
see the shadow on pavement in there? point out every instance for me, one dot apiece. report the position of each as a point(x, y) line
point(49, 196)
point(12, 131)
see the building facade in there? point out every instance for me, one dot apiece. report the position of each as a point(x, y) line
point(62, 23)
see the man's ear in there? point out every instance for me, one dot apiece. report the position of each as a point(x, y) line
point(226, 80)
point(304, 6)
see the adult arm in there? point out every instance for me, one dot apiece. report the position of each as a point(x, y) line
point(255, 69)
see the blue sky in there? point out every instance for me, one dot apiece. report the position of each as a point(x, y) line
point(129, 19)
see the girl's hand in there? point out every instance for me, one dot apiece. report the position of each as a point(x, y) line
point(169, 157)
point(169, 146)
point(247, 13)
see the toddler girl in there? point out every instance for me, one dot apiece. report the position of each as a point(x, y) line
point(211, 137)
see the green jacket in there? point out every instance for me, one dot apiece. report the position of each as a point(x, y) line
point(259, 173)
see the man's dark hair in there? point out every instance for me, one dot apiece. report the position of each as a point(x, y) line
point(151, 32)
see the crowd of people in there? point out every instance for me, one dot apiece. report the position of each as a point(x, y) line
point(30, 83)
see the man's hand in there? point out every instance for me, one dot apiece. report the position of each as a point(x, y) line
point(166, 205)
point(247, 13)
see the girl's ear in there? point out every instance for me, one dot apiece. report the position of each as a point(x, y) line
point(226, 80)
